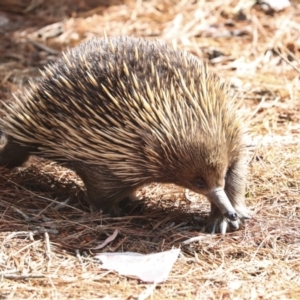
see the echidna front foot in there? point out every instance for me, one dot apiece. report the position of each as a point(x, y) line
point(217, 223)
point(221, 224)
point(12, 154)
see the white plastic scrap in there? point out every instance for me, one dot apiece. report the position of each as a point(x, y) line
point(147, 267)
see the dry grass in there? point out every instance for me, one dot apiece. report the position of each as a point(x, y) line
point(46, 229)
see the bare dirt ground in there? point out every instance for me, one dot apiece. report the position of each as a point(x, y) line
point(46, 228)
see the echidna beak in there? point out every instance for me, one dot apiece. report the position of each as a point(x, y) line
point(220, 199)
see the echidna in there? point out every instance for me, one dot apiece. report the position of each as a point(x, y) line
point(123, 112)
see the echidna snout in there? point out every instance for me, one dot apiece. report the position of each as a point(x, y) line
point(124, 112)
point(220, 199)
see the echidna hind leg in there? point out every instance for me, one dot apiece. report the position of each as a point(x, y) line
point(102, 194)
point(100, 200)
point(114, 204)
point(12, 154)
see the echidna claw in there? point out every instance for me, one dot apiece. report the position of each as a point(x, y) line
point(218, 223)
point(223, 226)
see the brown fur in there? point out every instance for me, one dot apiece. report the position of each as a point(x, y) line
point(124, 112)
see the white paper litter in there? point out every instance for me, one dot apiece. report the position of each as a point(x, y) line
point(276, 5)
point(147, 267)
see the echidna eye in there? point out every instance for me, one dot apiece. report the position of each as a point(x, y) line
point(228, 172)
point(199, 183)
